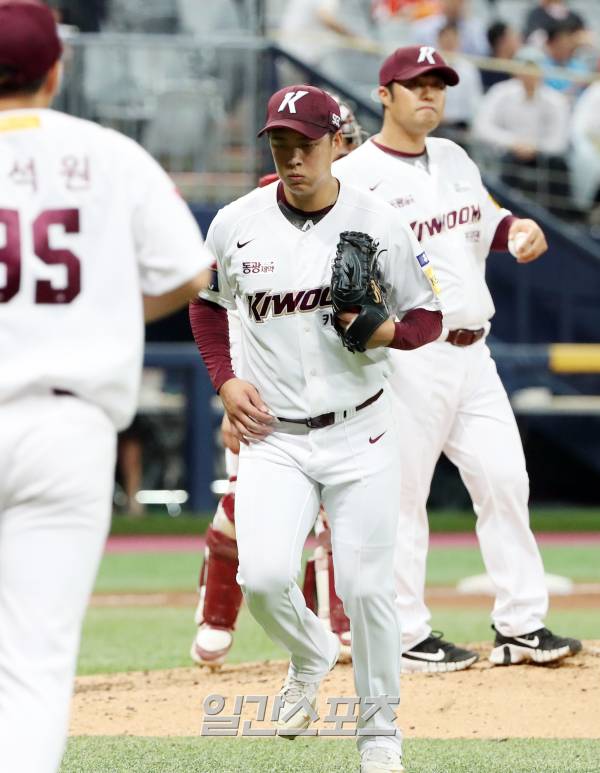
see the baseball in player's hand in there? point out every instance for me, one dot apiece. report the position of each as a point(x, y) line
point(229, 437)
point(383, 336)
point(249, 416)
point(527, 240)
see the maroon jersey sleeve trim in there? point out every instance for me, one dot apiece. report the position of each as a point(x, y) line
point(418, 327)
point(500, 240)
point(211, 334)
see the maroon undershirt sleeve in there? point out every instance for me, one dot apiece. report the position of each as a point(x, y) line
point(211, 334)
point(500, 240)
point(417, 328)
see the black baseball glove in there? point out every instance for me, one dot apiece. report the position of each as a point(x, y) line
point(356, 287)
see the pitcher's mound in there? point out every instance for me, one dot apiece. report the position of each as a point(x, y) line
point(482, 702)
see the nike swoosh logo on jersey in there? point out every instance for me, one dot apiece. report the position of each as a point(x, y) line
point(372, 187)
point(375, 439)
point(243, 244)
point(432, 656)
point(533, 643)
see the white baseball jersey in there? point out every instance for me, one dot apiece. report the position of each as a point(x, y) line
point(450, 212)
point(278, 278)
point(88, 223)
point(451, 398)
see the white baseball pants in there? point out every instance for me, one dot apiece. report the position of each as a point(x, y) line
point(451, 400)
point(352, 467)
point(57, 457)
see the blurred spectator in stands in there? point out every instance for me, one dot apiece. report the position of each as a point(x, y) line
point(393, 18)
point(409, 9)
point(504, 42)
point(471, 31)
point(86, 16)
point(528, 123)
point(584, 42)
point(563, 40)
point(585, 155)
point(311, 29)
point(462, 100)
point(543, 18)
point(326, 34)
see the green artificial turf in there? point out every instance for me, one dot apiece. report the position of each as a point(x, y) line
point(160, 522)
point(473, 625)
point(148, 572)
point(122, 639)
point(152, 572)
point(157, 521)
point(448, 565)
point(139, 638)
point(233, 755)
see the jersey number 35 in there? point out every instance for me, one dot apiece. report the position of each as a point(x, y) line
point(10, 255)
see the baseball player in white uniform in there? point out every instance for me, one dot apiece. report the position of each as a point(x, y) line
point(89, 224)
point(220, 596)
point(315, 419)
point(449, 394)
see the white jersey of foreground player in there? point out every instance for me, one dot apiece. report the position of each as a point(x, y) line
point(88, 223)
point(451, 398)
point(295, 355)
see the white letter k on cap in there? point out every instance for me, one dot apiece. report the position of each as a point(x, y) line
point(290, 100)
point(426, 55)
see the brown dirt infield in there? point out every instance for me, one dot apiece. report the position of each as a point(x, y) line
point(584, 596)
point(482, 702)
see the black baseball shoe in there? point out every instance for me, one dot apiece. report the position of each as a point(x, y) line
point(540, 646)
point(434, 654)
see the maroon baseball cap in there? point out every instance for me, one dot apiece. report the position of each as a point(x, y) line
point(29, 42)
point(411, 61)
point(305, 109)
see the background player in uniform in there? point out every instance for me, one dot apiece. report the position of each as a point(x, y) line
point(315, 417)
point(449, 394)
point(220, 596)
point(88, 223)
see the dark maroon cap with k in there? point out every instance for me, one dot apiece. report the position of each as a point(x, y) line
point(411, 61)
point(305, 109)
point(29, 42)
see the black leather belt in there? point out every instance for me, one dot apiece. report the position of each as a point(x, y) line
point(463, 337)
point(326, 419)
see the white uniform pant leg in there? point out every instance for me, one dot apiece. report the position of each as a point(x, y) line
point(57, 456)
point(425, 386)
point(486, 447)
point(361, 494)
point(232, 462)
point(275, 509)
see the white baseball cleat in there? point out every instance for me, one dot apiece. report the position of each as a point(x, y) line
point(211, 645)
point(294, 691)
point(375, 759)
